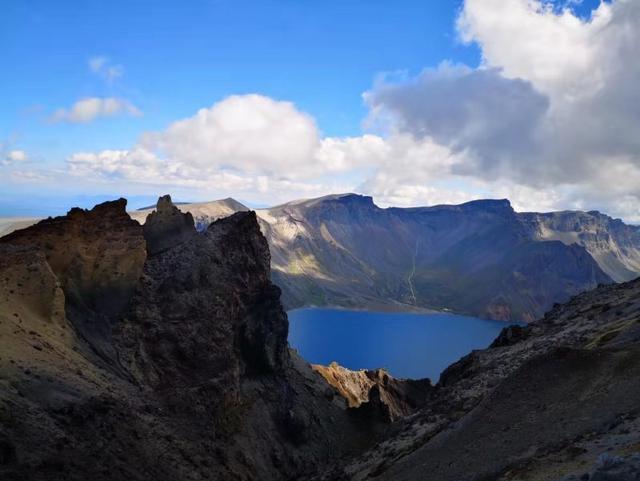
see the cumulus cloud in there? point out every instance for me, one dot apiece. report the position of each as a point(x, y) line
point(479, 112)
point(553, 107)
point(549, 120)
point(253, 143)
point(91, 108)
point(243, 145)
point(249, 133)
point(106, 69)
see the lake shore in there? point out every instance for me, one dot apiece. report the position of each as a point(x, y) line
point(409, 345)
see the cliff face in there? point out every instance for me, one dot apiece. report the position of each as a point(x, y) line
point(476, 258)
point(613, 244)
point(97, 257)
point(155, 354)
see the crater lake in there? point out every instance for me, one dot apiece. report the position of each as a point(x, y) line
point(408, 345)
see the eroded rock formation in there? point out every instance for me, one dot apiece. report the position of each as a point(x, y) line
point(393, 398)
point(157, 354)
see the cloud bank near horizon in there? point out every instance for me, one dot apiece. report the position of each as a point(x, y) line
point(549, 120)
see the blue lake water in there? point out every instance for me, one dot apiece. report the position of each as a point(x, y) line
point(408, 345)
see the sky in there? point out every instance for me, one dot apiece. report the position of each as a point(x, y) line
point(413, 102)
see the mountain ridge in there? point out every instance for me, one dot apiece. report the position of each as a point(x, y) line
point(473, 258)
point(476, 258)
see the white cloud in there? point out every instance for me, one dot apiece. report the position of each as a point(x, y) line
point(91, 108)
point(16, 156)
point(254, 143)
point(249, 146)
point(12, 157)
point(549, 120)
point(249, 133)
point(103, 67)
point(551, 116)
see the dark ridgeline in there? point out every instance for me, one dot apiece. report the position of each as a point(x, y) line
point(157, 353)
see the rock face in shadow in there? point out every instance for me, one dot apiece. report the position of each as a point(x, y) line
point(200, 291)
point(157, 354)
point(167, 226)
point(611, 468)
point(97, 256)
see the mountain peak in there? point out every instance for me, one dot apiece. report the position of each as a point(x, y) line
point(355, 199)
point(489, 204)
point(110, 207)
point(167, 226)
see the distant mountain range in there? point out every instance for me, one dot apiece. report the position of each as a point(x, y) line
point(480, 258)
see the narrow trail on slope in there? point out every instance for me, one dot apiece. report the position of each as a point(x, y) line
point(412, 273)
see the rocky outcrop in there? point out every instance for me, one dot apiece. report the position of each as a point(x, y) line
point(204, 213)
point(167, 226)
point(190, 299)
point(97, 257)
point(396, 398)
point(156, 354)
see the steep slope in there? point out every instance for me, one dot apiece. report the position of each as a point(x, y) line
point(154, 354)
point(613, 244)
point(543, 402)
point(9, 224)
point(475, 258)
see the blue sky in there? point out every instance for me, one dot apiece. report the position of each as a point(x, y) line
point(178, 57)
point(169, 59)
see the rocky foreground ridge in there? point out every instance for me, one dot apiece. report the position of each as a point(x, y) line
point(156, 352)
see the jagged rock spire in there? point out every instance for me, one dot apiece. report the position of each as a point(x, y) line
point(167, 226)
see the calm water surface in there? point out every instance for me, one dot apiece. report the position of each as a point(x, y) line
point(408, 345)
